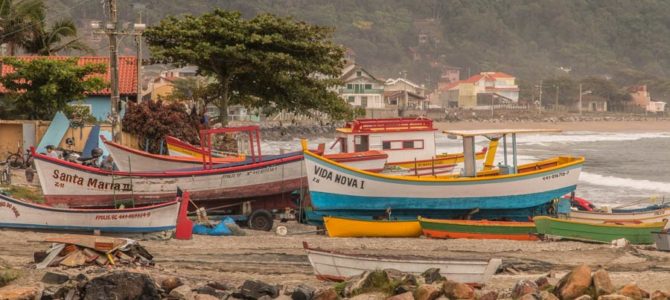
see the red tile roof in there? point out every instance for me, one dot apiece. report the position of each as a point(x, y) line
point(127, 72)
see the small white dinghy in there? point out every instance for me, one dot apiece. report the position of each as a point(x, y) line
point(331, 265)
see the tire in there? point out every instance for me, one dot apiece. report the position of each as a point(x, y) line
point(15, 161)
point(261, 220)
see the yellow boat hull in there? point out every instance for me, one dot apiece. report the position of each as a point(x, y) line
point(345, 227)
point(439, 161)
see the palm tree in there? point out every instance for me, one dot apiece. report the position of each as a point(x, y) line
point(16, 19)
point(62, 35)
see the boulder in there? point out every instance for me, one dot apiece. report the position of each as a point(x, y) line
point(602, 283)
point(660, 295)
point(529, 296)
point(12, 292)
point(432, 275)
point(374, 281)
point(575, 283)
point(427, 292)
point(409, 279)
point(403, 296)
point(121, 285)
point(208, 290)
point(546, 295)
point(67, 291)
point(255, 289)
point(633, 291)
point(584, 297)
point(204, 297)
point(170, 283)
point(55, 278)
point(614, 297)
point(523, 287)
point(542, 282)
point(182, 292)
point(302, 292)
point(401, 289)
point(221, 286)
point(490, 295)
point(457, 290)
point(326, 294)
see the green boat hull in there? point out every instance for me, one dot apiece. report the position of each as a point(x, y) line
point(635, 234)
point(478, 229)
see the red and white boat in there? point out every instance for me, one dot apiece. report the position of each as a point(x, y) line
point(263, 180)
point(409, 143)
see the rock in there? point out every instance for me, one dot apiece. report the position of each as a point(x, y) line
point(170, 283)
point(221, 286)
point(401, 289)
point(302, 292)
point(542, 282)
point(182, 292)
point(574, 284)
point(432, 275)
point(255, 289)
point(457, 290)
point(121, 285)
point(12, 292)
point(614, 297)
point(208, 290)
point(602, 283)
point(409, 279)
point(584, 297)
point(403, 296)
point(204, 297)
point(369, 296)
point(427, 292)
point(529, 296)
point(546, 295)
point(633, 291)
point(490, 295)
point(55, 278)
point(326, 294)
point(523, 287)
point(60, 292)
point(367, 282)
point(660, 295)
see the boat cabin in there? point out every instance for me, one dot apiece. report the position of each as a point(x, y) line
point(403, 139)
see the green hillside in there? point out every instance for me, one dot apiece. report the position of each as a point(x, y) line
point(628, 41)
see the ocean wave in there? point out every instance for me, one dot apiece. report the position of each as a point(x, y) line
point(625, 183)
point(587, 136)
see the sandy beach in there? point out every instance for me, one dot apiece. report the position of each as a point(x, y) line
point(596, 126)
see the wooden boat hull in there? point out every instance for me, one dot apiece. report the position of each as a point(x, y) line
point(346, 227)
point(468, 229)
point(338, 190)
point(128, 159)
point(74, 185)
point(177, 147)
point(442, 164)
point(329, 265)
point(21, 214)
point(602, 233)
point(649, 216)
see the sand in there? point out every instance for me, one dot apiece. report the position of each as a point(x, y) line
point(597, 126)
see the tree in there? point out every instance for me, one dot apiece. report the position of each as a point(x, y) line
point(266, 62)
point(200, 89)
point(151, 121)
point(62, 35)
point(16, 18)
point(38, 88)
point(616, 97)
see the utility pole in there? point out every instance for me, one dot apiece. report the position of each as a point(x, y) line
point(540, 95)
point(580, 99)
point(138, 40)
point(114, 65)
point(557, 91)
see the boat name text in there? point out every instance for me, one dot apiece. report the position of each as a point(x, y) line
point(11, 207)
point(556, 175)
point(63, 178)
point(341, 179)
point(123, 216)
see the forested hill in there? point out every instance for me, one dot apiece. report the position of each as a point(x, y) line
point(628, 41)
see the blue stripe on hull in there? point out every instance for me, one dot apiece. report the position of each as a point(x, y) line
point(525, 214)
point(328, 201)
point(87, 228)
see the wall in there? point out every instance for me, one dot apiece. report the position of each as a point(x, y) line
point(12, 137)
point(381, 113)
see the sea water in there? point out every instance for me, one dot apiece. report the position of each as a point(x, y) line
point(620, 168)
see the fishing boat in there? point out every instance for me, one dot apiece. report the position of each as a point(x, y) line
point(129, 159)
point(347, 227)
point(478, 229)
point(409, 143)
point(265, 181)
point(635, 216)
point(336, 266)
point(15, 213)
point(514, 192)
point(602, 233)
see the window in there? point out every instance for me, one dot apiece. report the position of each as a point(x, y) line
point(408, 144)
point(393, 101)
point(359, 73)
point(350, 86)
point(368, 86)
point(402, 145)
point(386, 145)
point(364, 101)
point(351, 99)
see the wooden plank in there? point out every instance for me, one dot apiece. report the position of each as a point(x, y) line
point(100, 243)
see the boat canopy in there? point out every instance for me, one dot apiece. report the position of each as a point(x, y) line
point(387, 125)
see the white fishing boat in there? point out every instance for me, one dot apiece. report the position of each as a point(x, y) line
point(21, 214)
point(630, 217)
point(335, 266)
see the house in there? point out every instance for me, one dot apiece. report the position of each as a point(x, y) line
point(403, 94)
point(642, 98)
point(593, 103)
point(483, 89)
point(99, 102)
point(162, 87)
point(361, 88)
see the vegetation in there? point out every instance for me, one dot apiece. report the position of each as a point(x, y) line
point(264, 62)
point(21, 192)
point(151, 121)
point(39, 88)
